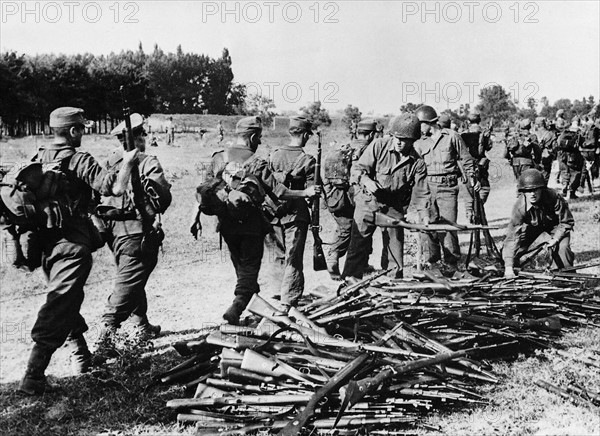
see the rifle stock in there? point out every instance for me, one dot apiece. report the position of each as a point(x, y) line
point(319, 263)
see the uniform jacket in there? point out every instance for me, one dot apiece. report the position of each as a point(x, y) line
point(524, 148)
point(151, 172)
point(441, 156)
point(551, 215)
point(547, 141)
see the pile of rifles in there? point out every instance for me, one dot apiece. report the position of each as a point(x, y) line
point(378, 356)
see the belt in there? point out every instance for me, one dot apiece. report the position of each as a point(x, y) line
point(447, 178)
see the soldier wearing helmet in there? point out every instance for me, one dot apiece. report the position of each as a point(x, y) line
point(540, 215)
point(390, 175)
point(448, 161)
point(547, 143)
point(523, 149)
point(571, 161)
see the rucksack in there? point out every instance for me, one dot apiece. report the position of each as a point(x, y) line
point(337, 164)
point(568, 141)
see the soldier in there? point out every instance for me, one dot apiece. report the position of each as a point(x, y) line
point(67, 250)
point(220, 131)
point(135, 250)
point(547, 142)
point(390, 176)
point(560, 123)
point(447, 160)
point(380, 128)
point(478, 142)
point(590, 149)
point(353, 130)
point(523, 149)
point(339, 191)
point(170, 132)
point(293, 169)
point(539, 215)
point(569, 141)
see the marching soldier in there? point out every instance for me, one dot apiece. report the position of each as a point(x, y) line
point(590, 149)
point(390, 176)
point(135, 248)
point(67, 251)
point(523, 148)
point(448, 161)
point(539, 214)
point(293, 169)
point(569, 142)
point(339, 191)
point(560, 125)
point(547, 141)
point(478, 142)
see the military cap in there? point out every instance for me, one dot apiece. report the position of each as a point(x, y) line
point(560, 112)
point(137, 123)
point(67, 117)
point(299, 124)
point(540, 121)
point(525, 124)
point(444, 121)
point(248, 125)
point(405, 126)
point(474, 118)
point(369, 125)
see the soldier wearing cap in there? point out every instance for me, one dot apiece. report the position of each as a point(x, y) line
point(448, 161)
point(478, 142)
point(135, 257)
point(523, 148)
point(547, 142)
point(391, 175)
point(67, 250)
point(293, 169)
point(339, 185)
point(539, 216)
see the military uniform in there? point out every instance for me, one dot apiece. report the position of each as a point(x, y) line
point(569, 141)
point(525, 152)
point(590, 149)
point(66, 255)
point(550, 216)
point(134, 265)
point(294, 169)
point(401, 179)
point(339, 195)
point(443, 173)
point(547, 142)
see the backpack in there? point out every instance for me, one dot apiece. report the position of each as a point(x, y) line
point(337, 164)
point(568, 141)
point(273, 207)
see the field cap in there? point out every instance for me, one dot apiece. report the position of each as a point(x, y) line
point(299, 124)
point(137, 123)
point(248, 125)
point(68, 116)
point(368, 125)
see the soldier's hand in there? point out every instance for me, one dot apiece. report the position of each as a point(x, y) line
point(509, 273)
point(313, 191)
point(238, 198)
point(130, 157)
point(551, 244)
point(196, 227)
point(477, 186)
point(370, 185)
point(425, 220)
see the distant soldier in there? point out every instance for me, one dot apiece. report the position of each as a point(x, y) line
point(134, 244)
point(560, 125)
point(523, 148)
point(380, 128)
point(590, 150)
point(568, 143)
point(67, 249)
point(547, 142)
point(478, 142)
point(539, 216)
point(339, 190)
point(448, 161)
point(391, 175)
point(170, 132)
point(220, 131)
point(353, 130)
point(293, 169)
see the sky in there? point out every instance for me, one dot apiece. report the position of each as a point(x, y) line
point(376, 55)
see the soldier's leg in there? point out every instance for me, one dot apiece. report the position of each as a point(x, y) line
point(293, 276)
point(341, 242)
point(484, 192)
point(564, 252)
point(547, 167)
point(447, 200)
point(396, 251)
point(358, 252)
point(430, 240)
point(574, 181)
point(67, 267)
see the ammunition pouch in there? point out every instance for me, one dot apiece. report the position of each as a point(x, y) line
point(22, 250)
point(337, 197)
point(152, 240)
point(112, 213)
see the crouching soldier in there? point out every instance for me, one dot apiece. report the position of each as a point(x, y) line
point(391, 175)
point(539, 216)
point(67, 248)
point(135, 238)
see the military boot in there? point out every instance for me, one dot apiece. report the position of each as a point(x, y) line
point(145, 332)
point(232, 315)
point(34, 382)
point(81, 358)
point(333, 269)
point(105, 345)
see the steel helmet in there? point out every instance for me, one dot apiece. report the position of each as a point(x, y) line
point(405, 126)
point(530, 179)
point(426, 114)
point(474, 118)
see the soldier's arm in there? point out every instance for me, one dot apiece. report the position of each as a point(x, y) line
point(155, 183)
point(565, 218)
point(515, 233)
point(101, 180)
point(462, 151)
point(421, 196)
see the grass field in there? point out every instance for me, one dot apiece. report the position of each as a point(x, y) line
point(192, 286)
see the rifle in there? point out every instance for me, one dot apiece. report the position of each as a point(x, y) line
point(382, 220)
point(319, 263)
point(153, 233)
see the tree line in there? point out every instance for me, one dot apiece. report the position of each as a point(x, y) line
point(169, 83)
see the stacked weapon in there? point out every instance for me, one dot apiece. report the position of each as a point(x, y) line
point(377, 356)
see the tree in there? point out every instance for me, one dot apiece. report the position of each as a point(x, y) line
point(317, 114)
point(495, 102)
point(351, 113)
point(260, 105)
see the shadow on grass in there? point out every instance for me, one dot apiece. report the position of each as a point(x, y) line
point(118, 398)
